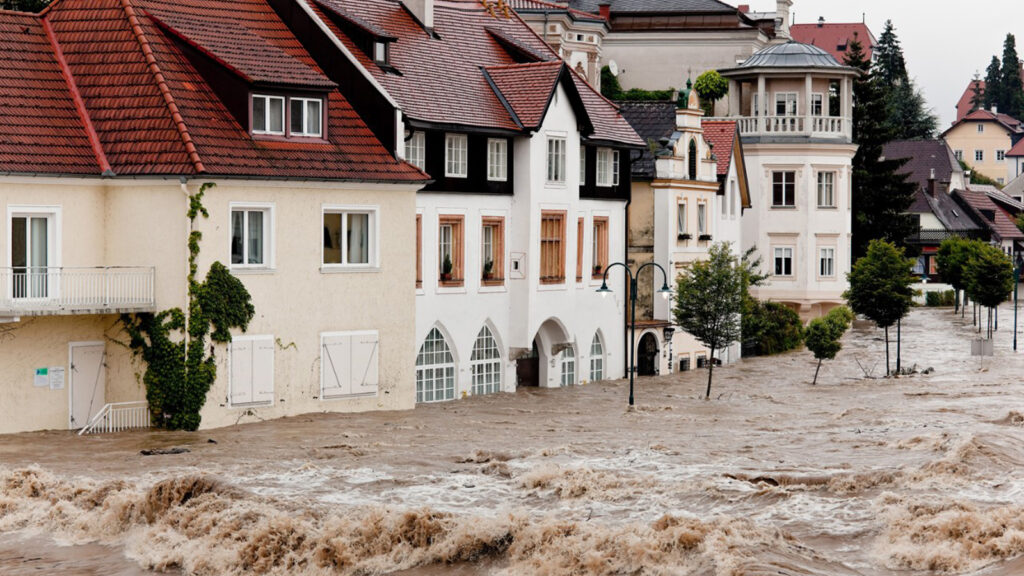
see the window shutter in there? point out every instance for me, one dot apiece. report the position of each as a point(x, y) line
point(335, 360)
point(263, 370)
point(241, 371)
point(365, 360)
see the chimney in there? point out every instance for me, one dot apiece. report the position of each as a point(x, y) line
point(423, 10)
point(821, 21)
point(995, 109)
point(782, 18)
point(931, 183)
point(743, 8)
point(605, 10)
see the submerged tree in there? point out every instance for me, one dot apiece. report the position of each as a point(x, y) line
point(823, 334)
point(880, 287)
point(709, 300)
point(989, 279)
point(951, 259)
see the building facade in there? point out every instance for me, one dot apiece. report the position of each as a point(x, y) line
point(983, 139)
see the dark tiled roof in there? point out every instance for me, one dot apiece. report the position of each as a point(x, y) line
point(986, 211)
point(527, 88)
point(656, 6)
point(835, 38)
point(607, 121)
point(791, 55)
point(40, 128)
point(948, 212)
point(152, 111)
point(527, 6)
point(922, 157)
point(721, 134)
point(652, 120)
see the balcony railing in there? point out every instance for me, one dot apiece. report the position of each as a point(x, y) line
point(49, 290)
point(809, 126)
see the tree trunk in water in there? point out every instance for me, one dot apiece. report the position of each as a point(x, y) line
point(995, 312)
point(816, 373)
point(886, 350)
point(956, 301)
point(711, 371)
point(899, 341)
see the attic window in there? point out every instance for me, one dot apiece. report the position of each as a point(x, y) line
point(380, 52)
point(288, 116)
point(267, 115)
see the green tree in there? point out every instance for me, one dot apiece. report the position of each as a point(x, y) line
point(881, 195)
point(993, 84)
point(709, 300)
point(951, 259)
point(610, 87)
point(977, 98)
point(711, 87)
point(907, 114)
point(880, 287)
point(978, 177)
point(892, 66)
point(179, 367)
point(989, 278)
point(823, 334)
point(1012, 89)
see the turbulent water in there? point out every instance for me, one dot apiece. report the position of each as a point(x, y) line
point(855, 476)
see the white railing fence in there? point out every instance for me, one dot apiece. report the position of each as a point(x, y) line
point(819, 126)
point(117, 417)
point(106, 287)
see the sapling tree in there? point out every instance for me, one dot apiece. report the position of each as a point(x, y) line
point(880, 287)
point(709, 300)
point(989, 279)
point(952, 257)
point(823, 334)
point(711, 87)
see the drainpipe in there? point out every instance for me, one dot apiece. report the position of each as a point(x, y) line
point(188, 232)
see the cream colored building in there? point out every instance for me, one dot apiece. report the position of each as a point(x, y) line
point(982, 139)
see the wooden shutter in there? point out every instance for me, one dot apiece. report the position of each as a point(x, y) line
point(263, 370)
point(364, 365)
point(241, 371)
point(335, 359)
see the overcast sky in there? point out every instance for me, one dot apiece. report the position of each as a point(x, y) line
point(944, 41)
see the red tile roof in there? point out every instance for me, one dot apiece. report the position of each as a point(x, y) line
point(1010, 123)
point(440, 78)
point(1000, 224)
point(1018, 149)
point(721, 134)
point(963, 105)
point(835, 38)
point(527, 88)
point(154, 113)
point(40, 128)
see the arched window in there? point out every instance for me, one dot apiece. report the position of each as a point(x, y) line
point(486, 364)
point(596, 359)
point(567, 360)
point(435, 370)
point(693, 159)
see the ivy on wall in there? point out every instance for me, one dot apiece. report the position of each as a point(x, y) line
point(173, 344)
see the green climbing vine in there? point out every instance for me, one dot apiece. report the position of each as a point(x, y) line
point(179, 367)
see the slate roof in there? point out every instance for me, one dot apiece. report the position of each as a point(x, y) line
point(791, 55)
point(835, 38)
point(155, 114)
point(985, 211)
point(952, 216)
point(440, 78)
point(656, 6)
point(652, 120)
point(721, 134)
point(540, 6)
point(923, 156)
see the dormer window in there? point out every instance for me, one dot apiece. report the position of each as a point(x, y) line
point(267, 115)
point(380, 52)
point(288, 116)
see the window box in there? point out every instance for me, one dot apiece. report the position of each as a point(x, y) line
point(685, 236)
point(704, 238)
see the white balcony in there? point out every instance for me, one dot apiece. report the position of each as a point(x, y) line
point(42, 291)
point(824, 127)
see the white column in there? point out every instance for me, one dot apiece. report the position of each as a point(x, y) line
point(807, 103)
point(762, 101)
point(845, 104)
point(735, 98)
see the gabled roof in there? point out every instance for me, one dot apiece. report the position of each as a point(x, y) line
point(963, 105)
point(952, 216)
point(1018, 149)
point(1009, 123)
point(721, 134)
point(478, 70)
point(985, 211)
point(922, 158)
point(835, 38)
point(153, 113)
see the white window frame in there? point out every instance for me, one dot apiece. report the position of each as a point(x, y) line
point(826, 189)
point(53, 214)
point(702, 218)
point(454, 366)
point(456, 155)
point(416, 150)
point(305, 117)
point(788, 98)
point(567, 361)
point(596, 358)
point(827, 254)
point(817, 104)
point(254, 338)
point(604, 167)
point(269, 236)
point(958, 154)
point(373, 235)
point(492, 366)
point(1000, 155)
point(682, 224)
point(615, 167)
point(583, 165)
point(497, 160)
point(265, 129)
point(792, 261)
point(380, 52)
point(555, 164)
point(981, 127)
point(792, 203)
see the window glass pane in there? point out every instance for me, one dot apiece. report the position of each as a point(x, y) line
point(445, 248)
point(259, 114)
point(332, 238)
point(237, 222)
point(358, 238)
point(681, 219)
point(38, 255)
point(298, 109)
point(19, 242)
point(276, 114)
point(255, 237)
point(313, 117)
point(702, 218)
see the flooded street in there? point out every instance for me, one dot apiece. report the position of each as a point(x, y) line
point(920, 474)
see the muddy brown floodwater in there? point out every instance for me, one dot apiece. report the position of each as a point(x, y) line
point(914, 475)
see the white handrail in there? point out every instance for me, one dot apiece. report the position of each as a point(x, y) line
point(119, 416)
point(28, 289)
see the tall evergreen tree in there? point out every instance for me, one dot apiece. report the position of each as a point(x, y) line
point(977, 97)
point(1012, 89)
point(993, 84)
point(881, 196)
point(892, 67)
point(907, 113)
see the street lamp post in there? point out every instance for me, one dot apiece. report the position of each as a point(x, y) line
point(1016, 283)
point(604, 290)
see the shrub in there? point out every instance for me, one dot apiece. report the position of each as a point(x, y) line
point(770, 328)
point(944, 298)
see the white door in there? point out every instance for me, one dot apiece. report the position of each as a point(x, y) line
point(30, 256)
point(86, 381)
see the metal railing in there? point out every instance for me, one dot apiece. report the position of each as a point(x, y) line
point(117, 417)
point(29, 290)
point(813, 126)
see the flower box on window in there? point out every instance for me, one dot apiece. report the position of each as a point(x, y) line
point(704, 238)
point(685, 236)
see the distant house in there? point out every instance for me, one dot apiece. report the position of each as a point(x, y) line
point(1015, 161)
point(995, 212)
point(835, 38)
point(576, 35)
point(983, 139)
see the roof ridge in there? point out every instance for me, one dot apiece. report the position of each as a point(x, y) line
point(522, 64)
point(165, 90)
point(76, 96)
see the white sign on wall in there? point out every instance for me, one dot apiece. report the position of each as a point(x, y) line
point(57, 378)
point(41, 379)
